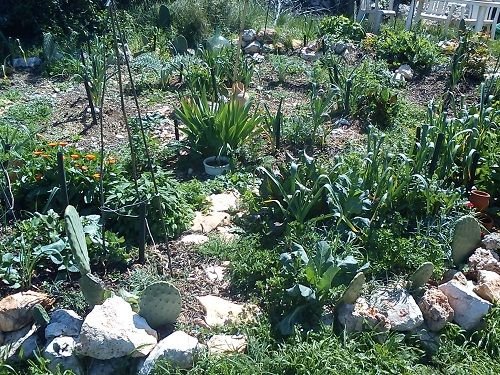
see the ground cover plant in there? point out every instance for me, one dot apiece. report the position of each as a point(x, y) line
point(347, 187)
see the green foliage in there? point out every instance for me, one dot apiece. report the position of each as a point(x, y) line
point(284, 66)
point(122, 198)
point(76, 239)
point(160, 304)
point(217, 128)
point(465, 238)
point(341, 28)
point(190, 20)
point(406, 47)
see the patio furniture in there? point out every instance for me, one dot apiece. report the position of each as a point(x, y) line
point(375, 13)
point(433, 10)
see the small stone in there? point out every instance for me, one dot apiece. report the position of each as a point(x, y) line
point(399, 307)
point(297, 44)
point(258, 58)
point(492, 241)
point(223, 344)
point(267, 36)
point(63, 323)
point(220, 312)
point(113, 330)
point(436, 309)
point(268, 48)
point(178, 348)
point(406, 71)
point(359, 316)
point(252, 48)
point(488, 286)
point(215, 273)
point(207, 223)
point(60, 353)
point(223, 202)
point(468, 307)
point(309, 55)
point(248, 36)
point(483, 259)
point(398, 77)
point(194, 239)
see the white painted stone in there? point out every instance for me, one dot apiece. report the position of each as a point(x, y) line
point(113, 330)
point(63, 323)
point(60, 353)
point(492, 241)
point(488, 286)
point(436, 309)
point(178, 348)
point(223, 202)
point(399, 307)
point(220, 312)
point(468, 307)
point(483, 259)
point(194, 239)
point(220, 344)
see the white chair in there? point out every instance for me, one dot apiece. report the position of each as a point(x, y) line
point(375, 13)
point(470, 14)
point(433, 10)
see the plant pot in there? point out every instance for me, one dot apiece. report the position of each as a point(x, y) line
point(216, 165)
point(480, 199)
point(486, 221)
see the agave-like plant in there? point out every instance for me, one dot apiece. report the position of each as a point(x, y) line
point(217, 128)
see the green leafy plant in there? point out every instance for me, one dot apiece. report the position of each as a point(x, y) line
point(217, 128)
point(341, 27)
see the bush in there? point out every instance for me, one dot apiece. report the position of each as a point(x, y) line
point(341, 27)
point(405, 47)
point(190, 20)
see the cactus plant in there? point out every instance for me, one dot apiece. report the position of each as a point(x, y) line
point(40, 315)
point(422, 275)
point(76, 238)
point(160, 304)
point(180, 44)
point(92, 289)
point(354, 289)
point(466, 237)
point(164, 18)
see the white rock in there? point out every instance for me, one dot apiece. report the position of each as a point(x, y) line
point(398, 77)
point(252, 48)
point(60, 353)
point(194, 239)
point(258, 58)
point(266, 36)
point(399, 307)
point(63, 323)
point(308, 55)
point(219, 344)
point(468, 307)
point(178, 348)
point(223, 202)
point(220, 311)
point(248, 35)
point(207, 223)
point(483, 259)
point(406, 71)
point(488, 286)
point(215, 273)
point(113, 330)
point(359, 316)
point(492, 241)
point(436, 309)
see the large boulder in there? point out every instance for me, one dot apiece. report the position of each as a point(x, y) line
point(60, 353)
point(20, 345)
point(359, 316)
point(468, 307)
point(399, 307)
point(267, 36)
point(113, 330)
point(488, 286)
point(484, 260)
point(16, 309)
point(63, 323)
point(436, 309)
point(178, 348)
point(252, 48)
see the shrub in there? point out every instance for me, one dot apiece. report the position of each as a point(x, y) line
point(406, 47)
point(190, 20)
point(341, 27)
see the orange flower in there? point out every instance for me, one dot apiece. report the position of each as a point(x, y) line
point(75, 156)
point(38, 176)
point(37, 153)
point(96, 176)
point(62, 144)
point(84, 168)
point(53, 144)
point(111, 160)
point(90, 157)
point(46, 156)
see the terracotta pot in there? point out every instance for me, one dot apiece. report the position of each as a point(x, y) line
point(480, 199)
point(486, 221)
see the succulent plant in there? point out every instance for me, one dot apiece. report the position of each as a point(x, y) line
point(92, 287)
point(164, 18)
point(422, 275)
point(354, 289)
point(76, 238)
point(160, 304)
point(180, 44)
point(466, 237)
